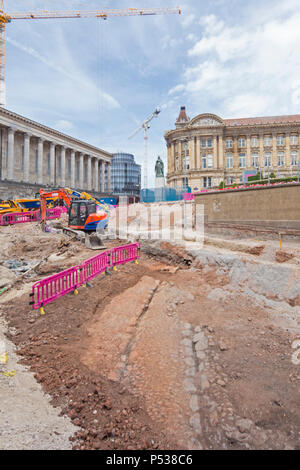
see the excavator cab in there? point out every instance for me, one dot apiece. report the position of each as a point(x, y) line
point(84, 215)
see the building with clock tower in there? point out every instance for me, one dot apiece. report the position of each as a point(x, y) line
point(216, 149)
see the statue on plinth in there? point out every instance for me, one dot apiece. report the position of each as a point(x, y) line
point(159, 173)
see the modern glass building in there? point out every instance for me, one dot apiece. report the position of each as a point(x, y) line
point(125, 174)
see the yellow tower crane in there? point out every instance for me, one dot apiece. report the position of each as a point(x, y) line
point(39, 15)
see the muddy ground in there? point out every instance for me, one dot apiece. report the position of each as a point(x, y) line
point(166, 354)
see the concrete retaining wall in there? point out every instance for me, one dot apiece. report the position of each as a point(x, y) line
point(272, 206)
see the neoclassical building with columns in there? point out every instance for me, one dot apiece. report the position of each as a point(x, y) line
point(33, 153)
point(219, 149)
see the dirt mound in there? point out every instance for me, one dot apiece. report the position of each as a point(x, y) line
point(256, 250)
point(283, 256)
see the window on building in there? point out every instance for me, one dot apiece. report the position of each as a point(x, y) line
point(69, 168)
point(242, 160)
point(280, 140)
point(77, 170)
point(267, 158)
point(254, 141)
point(209, 182)
point(255, 160)
point(204, 182)
point(209, 161)
point(294, 158)
point(293, 139)
point(203, 161)
point(229, 160)
point(203, 143)
point(229, 143)
point(48, 165)
point(36, 161)
point(177, 164)
point(267, 141)
point(242, 142)
point(209, 142)
point(280, 159)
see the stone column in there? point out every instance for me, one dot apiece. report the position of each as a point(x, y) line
point(108, 177)
point(63, 165)
point(11, 153)
point(81, 170)
point(89, 172)
point(72, 168)
point(170, 168)
point(52, 163)
point(235, 152)
point(248, 152)
point(180, 148)
point(40, 160)
point(173, 156)
point(26, 156)
point(262, 151)
point(192, 153)
point(198, 144)
point(274, 151)
point(287, 156)
point(96, 173)
point(221, 153)
point(102, 177)
point(215, 152)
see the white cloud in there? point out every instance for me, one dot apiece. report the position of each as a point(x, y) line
point(63, 125)
point(250, 68)
point(187, 19)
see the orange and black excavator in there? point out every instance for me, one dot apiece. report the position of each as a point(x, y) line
point(83, 214)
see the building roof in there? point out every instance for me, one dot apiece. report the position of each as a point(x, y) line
point(262, 120)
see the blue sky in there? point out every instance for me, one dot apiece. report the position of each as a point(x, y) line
point(98, 80)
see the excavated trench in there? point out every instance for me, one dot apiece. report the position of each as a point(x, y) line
point(191, 349)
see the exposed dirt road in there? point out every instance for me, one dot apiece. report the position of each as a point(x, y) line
point(158, 357)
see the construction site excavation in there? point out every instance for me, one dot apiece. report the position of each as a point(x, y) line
point(147, 343)
point(150, 302)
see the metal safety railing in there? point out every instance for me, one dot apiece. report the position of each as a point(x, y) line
point(53, 287)
point(30, 216)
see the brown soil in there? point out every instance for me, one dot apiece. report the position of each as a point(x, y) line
point(154, 357)
point(282, 256)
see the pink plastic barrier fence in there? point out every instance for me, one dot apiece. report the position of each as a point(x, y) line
point(94, 266)
point(53, 287)
point(188, 196)
point(57, 285)
point(30, 216)
point(124, 254)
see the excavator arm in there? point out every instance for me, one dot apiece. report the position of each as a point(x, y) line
point(58, 194)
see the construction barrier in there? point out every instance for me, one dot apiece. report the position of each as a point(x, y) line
point(30, 216)
point(124, 254)
point(55, 286)
point(94, 266)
